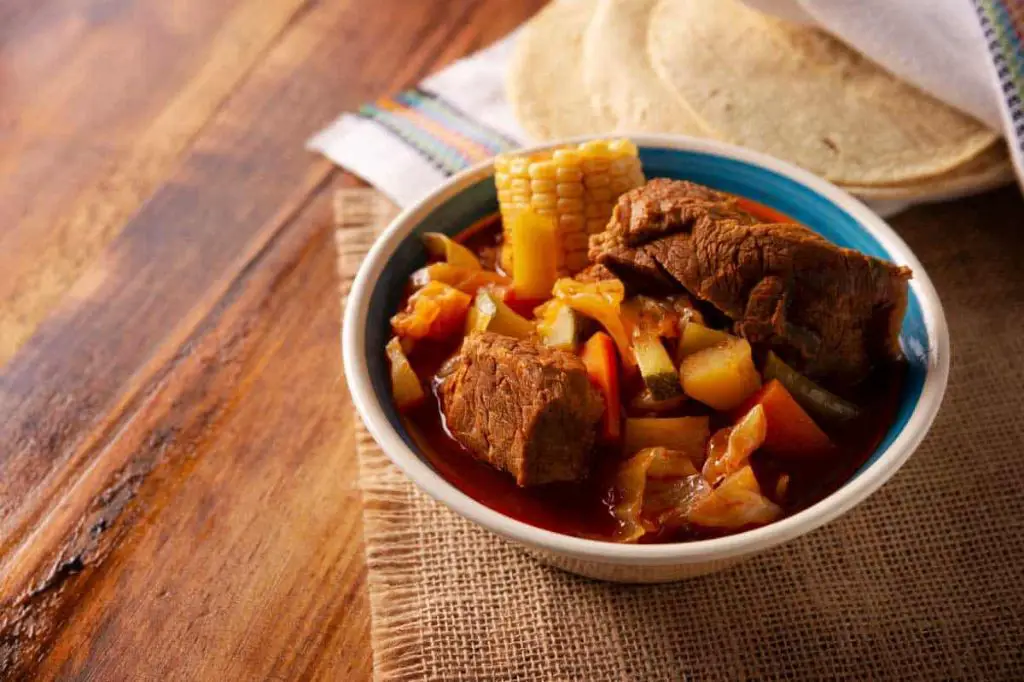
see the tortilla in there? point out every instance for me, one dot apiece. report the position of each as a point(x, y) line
point(988, 170)
point(618, 73)
point(545, 78)
point(794, 92)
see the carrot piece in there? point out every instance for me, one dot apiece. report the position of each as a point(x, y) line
point(765, 213)
point(603, 368)
point(791, 431)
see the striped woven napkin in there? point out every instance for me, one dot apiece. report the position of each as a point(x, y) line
point(1002, 25)
point(407, 144)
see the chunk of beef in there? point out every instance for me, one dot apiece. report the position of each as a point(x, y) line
point(524, 408)
point(832, 312)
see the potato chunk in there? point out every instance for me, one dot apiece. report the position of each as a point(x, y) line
point(722, 376)
point(696, 337)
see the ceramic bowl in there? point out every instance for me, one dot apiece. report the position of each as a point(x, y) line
point(808, 199)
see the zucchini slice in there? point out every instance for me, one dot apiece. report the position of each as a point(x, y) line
point(812, 397)
point(656, 367)
point(490, 314)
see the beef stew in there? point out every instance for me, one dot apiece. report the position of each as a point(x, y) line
point(712, 366)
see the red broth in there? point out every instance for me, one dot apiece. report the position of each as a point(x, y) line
point(585, 509)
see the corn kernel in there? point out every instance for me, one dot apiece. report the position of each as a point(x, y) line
point(572, 222)
point(622, 147)
point(574, 241)
point(576, 261)
point(570, 205)
point(621, 166)
point(543, 169)
point(620, 186)
point(569, 189)
point(543, 201)
point(519, 167)
point(595, 148)
point(567, 175)
point(566, 157)
point(544, 186)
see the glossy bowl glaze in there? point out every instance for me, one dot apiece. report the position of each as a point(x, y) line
point(812, 201)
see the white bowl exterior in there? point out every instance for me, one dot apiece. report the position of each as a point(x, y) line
point(631, 573)
point(656, 562)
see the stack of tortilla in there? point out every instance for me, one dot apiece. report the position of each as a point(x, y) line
point(724, 71)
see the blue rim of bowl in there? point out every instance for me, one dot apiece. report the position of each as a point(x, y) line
point(826, 209)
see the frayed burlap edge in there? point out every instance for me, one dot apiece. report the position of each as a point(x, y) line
point(392, 559)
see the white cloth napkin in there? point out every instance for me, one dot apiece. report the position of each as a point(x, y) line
point(967, 55)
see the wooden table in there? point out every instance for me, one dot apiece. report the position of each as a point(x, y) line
point(177, 495)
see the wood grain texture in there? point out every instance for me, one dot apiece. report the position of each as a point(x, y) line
point(108, 124)
point(176, 462)
point(245, 536)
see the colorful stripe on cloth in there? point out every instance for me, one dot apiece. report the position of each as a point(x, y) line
point(1002, 22)
point(447, 138)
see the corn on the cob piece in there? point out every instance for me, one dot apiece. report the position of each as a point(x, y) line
point(578, 185)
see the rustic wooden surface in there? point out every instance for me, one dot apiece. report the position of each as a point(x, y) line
point(177, 494)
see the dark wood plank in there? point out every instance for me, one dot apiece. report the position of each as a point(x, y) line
point(242, 553)
point(100, 101)
point(111, 410)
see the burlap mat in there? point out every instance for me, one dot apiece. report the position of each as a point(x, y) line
point(923, 581)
